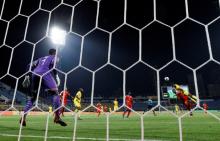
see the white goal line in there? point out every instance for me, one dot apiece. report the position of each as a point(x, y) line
point(79, 138)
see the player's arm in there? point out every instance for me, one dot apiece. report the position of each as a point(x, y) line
point(26, 81)
point(55, 72)
point(33, 65)
point(57, 77)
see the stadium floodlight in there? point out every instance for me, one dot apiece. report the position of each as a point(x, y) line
point(58, 36)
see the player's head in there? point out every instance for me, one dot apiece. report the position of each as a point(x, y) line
point(81, 90)
point(52, 51)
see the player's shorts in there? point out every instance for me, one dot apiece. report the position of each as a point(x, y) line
point(56, 101)
point(35, 82)
point(64, 103)
point(98, 110)
point(149, 107)
point(115, 108)
point(77, 105)
point(49, 82)
point(129, 106)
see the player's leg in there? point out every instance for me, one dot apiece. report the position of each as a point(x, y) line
point(129, 112)
point(57, 104)
point(99, 112)
point(62, 111)
point(189, 105)
point(154, 112)
point(78, 108)
point(145, 110)
point(50, 83)
point(205, 110)
point(125, 110)
point(31, 100)
point(63, 108)
point(151, 106)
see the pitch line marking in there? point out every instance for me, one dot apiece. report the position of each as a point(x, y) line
point(79, 138)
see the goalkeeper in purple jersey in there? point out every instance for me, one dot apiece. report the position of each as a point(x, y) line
point(41, 67)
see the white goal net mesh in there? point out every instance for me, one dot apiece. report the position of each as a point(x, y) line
point(112, 48)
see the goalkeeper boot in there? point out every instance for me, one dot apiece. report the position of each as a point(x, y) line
point(62, 123)
point(57, 120)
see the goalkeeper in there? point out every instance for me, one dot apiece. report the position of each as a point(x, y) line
point(41, 67)
point(77, 101)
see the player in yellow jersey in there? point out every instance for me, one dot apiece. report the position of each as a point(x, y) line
point(50, 109)
point(77, 100)
point(177, 109)
point(115, 104)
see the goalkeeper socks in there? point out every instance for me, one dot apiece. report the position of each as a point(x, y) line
point(56, 104)
point(28, 106)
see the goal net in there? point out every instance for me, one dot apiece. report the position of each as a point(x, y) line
point(111, 49)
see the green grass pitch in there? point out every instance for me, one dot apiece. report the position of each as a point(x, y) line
point(163, 127)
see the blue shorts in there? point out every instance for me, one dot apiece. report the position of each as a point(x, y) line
point(149, 107)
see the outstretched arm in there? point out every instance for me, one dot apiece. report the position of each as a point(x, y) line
point(33, 65)
point(26, 81)
point(57, 77)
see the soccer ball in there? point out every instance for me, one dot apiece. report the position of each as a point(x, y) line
point(166, 78)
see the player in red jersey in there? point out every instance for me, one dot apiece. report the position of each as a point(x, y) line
point(105, 108)
point(185, 97)
point(129, 103)
point(205, 107)
point(99, 108)
point(63, 96)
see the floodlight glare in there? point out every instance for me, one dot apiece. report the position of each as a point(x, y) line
point(58, 36)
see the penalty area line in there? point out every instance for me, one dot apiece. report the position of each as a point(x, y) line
point(78, 138)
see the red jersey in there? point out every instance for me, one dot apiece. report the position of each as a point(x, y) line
point(64, 95)
point(99, 107)
point(205, 106)
point(105, 108)
point(185, 99)
point(129, 101)
point(182, 96)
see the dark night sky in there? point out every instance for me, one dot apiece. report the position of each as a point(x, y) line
point(190, 42)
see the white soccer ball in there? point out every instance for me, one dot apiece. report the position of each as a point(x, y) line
point(166, 78)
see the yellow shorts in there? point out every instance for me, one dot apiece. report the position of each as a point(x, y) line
point(77, 105)
point(115, 108)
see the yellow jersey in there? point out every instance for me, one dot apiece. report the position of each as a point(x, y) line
point(50, 109)
point(77, 99)
point(115, 103)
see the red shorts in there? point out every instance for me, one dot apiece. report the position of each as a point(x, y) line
point(129, 106)
point(64, 103)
